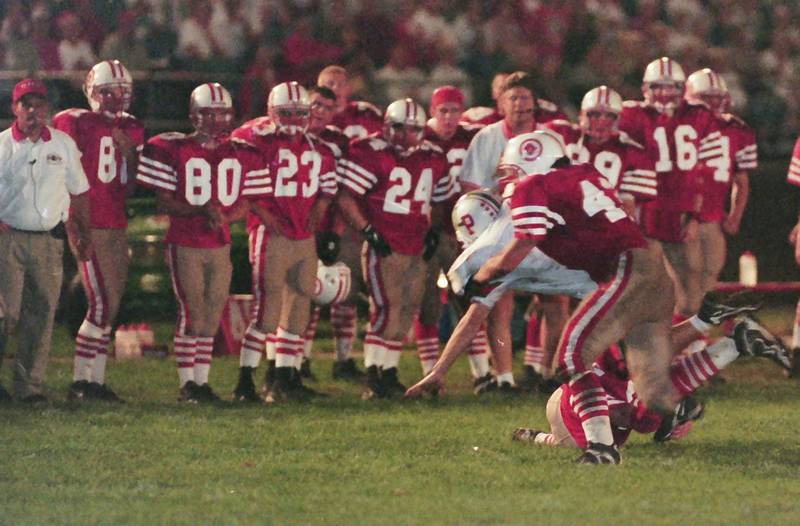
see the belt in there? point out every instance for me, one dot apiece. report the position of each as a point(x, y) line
point(58, 231)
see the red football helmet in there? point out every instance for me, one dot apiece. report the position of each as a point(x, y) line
point(663, 84)
point(708, 87)
point(404, 124)
point(109, 87)
point(289, 107)
point(600, 111)
point(211, 110)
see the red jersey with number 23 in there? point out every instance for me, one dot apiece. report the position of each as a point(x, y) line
point(576, 216)
point(197, 176)
point(105, 167)
point(397, 190)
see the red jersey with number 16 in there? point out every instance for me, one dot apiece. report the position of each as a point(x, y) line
point(197, 176)
point(105, 167)
point(396, 190)
point(577, 217)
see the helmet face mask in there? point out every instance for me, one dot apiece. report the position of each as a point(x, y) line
point(404, 125)
point(600, 111)
point(663, 84)
point(109, 87)
point(211, 110)
point(709, 88)
point(289, 107)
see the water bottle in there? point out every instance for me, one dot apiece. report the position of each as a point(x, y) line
point(748, 269)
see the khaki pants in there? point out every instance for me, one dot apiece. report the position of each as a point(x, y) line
point(201, 278)
point(713, 249)
point(104, 275)
point(431, 309)
point(684, 264)
point(31, 270)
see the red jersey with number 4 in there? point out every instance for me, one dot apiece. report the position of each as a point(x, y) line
point(734, 150)
point(620, 159)
point(105, 167)
point(358, 119)
point(197, 176)
point(576, 216)
point(396, 190)
point(455, 149)
point(301, 168)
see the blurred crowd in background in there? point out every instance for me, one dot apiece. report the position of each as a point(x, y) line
point(394, 49)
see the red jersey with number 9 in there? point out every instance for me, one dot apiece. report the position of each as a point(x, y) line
point(301, 168)
point(577, 217)
point(105, 167)
point(197, 176)
point(397, 190)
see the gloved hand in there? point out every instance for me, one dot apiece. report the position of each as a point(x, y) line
point(431, 242)
point(327, 247)
point(376, 241)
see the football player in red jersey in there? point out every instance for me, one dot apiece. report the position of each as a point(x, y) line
point(203, 181)
point(399, 179)
point(729, 178)
point(354, 118)
point(445, 130)
point(107, 137)
point(674, 133)
point(282, 245)
point(572, 214)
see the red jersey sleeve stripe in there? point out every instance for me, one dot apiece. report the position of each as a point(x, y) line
point(359, 170)
point(444, 190)
point(354, 187)
point(524, 211)
point(156, 164)
point(354, 180)
point(794, 172)
point(150, 181)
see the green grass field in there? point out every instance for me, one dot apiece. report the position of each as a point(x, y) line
point(341, 460)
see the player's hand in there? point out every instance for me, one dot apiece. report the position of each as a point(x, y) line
point(327, 247)
point(376, 241)
point(84, 248)
point(433, 382)
point(431, 242)
point(731, 225)
point(689, 231)
point(123, 142)
point(793, 234)
point(214, 217)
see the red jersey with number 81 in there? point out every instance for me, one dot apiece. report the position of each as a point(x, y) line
point(105, 167)
point(577, 217)
point(397, 190)
point(301, 168)
point(197, 176)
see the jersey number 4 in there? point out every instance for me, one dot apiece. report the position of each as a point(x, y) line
point(595, 200)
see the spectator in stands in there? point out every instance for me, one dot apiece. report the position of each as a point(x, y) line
point(447, 72)
point(127, 44)
point(259, 78)
point(74, 50)
point(228, 29)
point(17, 48)
point(305, 54)
point(400, 78)
point(46, 45)
point(196, 42)
point(93, 27)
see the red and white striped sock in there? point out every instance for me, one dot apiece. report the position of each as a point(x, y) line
point(311, 331)
point(427, 338)
point(589, 401)
point(253, 346)
point(690, 371)
point(343, 322)
point(87, 343)
point(546, 439)
point(287, 347)
point(99, 365)
point(271, 344)
point(394, 349)
point(479, 355)
point(184, 356)
point(202, 359)
point(374, 350)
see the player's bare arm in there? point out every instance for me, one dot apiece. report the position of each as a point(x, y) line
point(78, 226)
point(505, 261)
point(270, 221)
point(349, 207)
point(459, 341)
point(740, 192)
point(318, 212)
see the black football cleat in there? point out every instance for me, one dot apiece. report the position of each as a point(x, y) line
point(716, 313)
point(687, 410)
point(305, 371)
point(391, 384)
point(347, 370)
point(525, 434)
point(280, 388)
point(599, 454)
point(531, 380)
point(374, 385)
point(300, 391)
point(190, 393)
point(245, 390)
point(269, 377)
point(485, 384)
point(207, 395)
point(77, 391)
point(102, 392)
point(752, 339)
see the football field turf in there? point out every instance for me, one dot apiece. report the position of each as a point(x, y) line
point(341, 460)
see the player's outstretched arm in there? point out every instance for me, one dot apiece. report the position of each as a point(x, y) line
point(506, 261)
point(459, 342)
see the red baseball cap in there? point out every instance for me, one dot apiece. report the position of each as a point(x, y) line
point(447, 94)
point(26, 87)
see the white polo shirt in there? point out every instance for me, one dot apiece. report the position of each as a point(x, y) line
point(483, 155)
point(37, 178)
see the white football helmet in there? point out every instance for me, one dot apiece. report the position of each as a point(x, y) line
point(332, 284)
point(110, 74)
point(211, 109)
point(532, 153)
point(709, 87)
point(472, 215)
point(289, 107)
point(601, 100)
point(666, 76)
point(404, 124)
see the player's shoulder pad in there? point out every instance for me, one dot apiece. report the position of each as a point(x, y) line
point(372, 142)
point(470, 127)
point(427, 145)
point(71, 113)
point(477, 113)
point(239, 143)
point(625, 139)
point(735, 119)
point(368, 107)
point(547, 105)
point(562, 123)
point(318, 142)
point(167, 137)
point(633, 104)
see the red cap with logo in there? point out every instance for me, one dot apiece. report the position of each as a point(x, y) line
point(26, 87)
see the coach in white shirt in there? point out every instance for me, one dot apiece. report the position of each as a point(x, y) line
point(41, 184)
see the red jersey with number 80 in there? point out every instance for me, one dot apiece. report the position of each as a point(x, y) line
point(301, 167)
point(577, 217)
point(197, 176)
point(105, 167)
point(397, 190)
